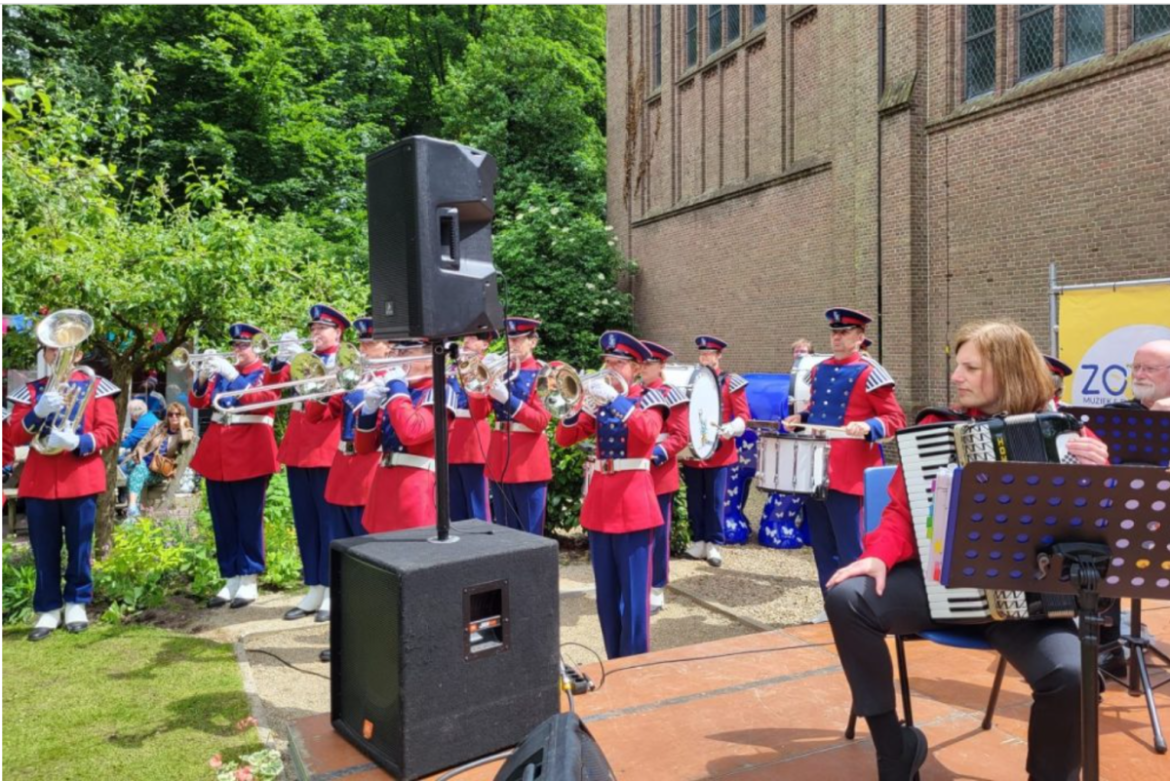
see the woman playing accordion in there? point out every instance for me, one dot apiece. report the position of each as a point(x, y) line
point(998, 370)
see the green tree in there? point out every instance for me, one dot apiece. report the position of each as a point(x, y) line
point(138, 262)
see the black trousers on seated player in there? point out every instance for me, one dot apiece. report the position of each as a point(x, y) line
point(1046, 653)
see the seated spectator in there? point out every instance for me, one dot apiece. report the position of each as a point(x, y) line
point(141, 422)
point(154, 457)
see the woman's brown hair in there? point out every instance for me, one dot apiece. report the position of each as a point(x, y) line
point(175, 406)
point(1016, 364)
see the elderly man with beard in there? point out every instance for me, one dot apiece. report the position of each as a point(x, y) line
point(1150, 381)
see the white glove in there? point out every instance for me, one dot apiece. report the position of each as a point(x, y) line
point(224, 369)
point(49, 404)
point(601, 390)
point(733, 429)
point(67, 440)
point(288, 346)
point(394, 373)
point(374, 398)
point(499, 391)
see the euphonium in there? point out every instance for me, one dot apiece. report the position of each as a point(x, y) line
point(65, 330)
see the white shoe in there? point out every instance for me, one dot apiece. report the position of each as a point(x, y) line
point(657, 599)
point(714, 558)
point(696, 550)
point(247, 592)
point(225, 594)
point(46, 624)
point(75, 618)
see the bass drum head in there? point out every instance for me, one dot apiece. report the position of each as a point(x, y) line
point(800, 384)
point(706, 413)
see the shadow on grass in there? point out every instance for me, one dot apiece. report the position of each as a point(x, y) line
point(201, 712)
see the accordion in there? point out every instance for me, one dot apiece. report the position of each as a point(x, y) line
point(927, 449)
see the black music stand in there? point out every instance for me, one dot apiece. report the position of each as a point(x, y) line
point(1091, 531)
point(1134, 436)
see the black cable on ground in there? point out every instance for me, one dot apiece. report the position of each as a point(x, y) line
point(286, 663)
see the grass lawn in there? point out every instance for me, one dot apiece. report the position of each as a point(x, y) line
point(120, 702)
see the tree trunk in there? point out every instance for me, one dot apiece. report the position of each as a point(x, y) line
point(106, 510)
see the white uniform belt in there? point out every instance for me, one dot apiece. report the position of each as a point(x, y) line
point(607, 466)
point(661, 438)
point(459, 412)
point(231, 419)
point(518, 428)
point(297, 406)
point(348, 448)
point(407, 459)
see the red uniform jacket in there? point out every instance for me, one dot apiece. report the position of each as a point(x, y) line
point(469, 438)
point(351, 474)
point(674, 437)
point(523, 453)
point(306, 443)
point(402, 497)
point(893, 541)
point(735, 405)
point(65, 475)
point(229, 451)
point(626, 428)
point(854, 389)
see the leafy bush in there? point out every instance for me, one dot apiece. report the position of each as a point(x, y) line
point(141, 570)
point(20, 580)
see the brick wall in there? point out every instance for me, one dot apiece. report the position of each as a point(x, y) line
point(753, 188)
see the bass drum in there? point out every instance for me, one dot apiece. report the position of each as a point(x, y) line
point(706, 413)
point(800, 384)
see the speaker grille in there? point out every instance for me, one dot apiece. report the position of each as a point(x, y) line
point(392, 204)
point(368, 641)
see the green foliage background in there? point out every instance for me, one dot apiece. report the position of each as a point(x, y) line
point(181, 167)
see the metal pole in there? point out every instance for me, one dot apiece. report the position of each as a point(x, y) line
point(443, 498)
point(1053, 337)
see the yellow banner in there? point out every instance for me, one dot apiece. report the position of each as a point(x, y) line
point(1100, 329)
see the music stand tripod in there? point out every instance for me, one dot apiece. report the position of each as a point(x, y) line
point(1089, 531)
point(1134, 436)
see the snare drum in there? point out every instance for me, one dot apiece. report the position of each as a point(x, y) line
point(791, 464)
point(800, 384)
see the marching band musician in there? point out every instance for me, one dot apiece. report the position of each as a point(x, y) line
point(60, 491)
point(307, 452)
point(1059, 370)
point(621, 510)
point(237, 458)
point(664, 464)
point(470, 439)
point(351, 474)
point(518, 463)
point(998, 370)
point(707, 480)
point(398, 415)
point(855, 392)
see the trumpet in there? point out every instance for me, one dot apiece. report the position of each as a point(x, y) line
point(65, 330)
point(564, 391)
point(477, 373)
point(182, 358)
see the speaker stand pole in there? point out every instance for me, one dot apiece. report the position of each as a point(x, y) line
point(443, 497)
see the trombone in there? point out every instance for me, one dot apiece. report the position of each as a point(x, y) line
point(64, 331)
point(564, 391)
point(315, 381)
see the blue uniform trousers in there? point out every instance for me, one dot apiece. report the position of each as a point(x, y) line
point(349, 522)
point(237, 516)
point(51, 521)
point(468, 490)
point(519, 505)
point(834, 526)
point(621, 568)
point(706, 492)
point(316, 521)
point(662, 542)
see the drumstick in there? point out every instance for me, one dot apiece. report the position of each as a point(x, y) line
point(829, 432)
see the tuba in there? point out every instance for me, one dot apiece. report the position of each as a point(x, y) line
point(65, 330)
